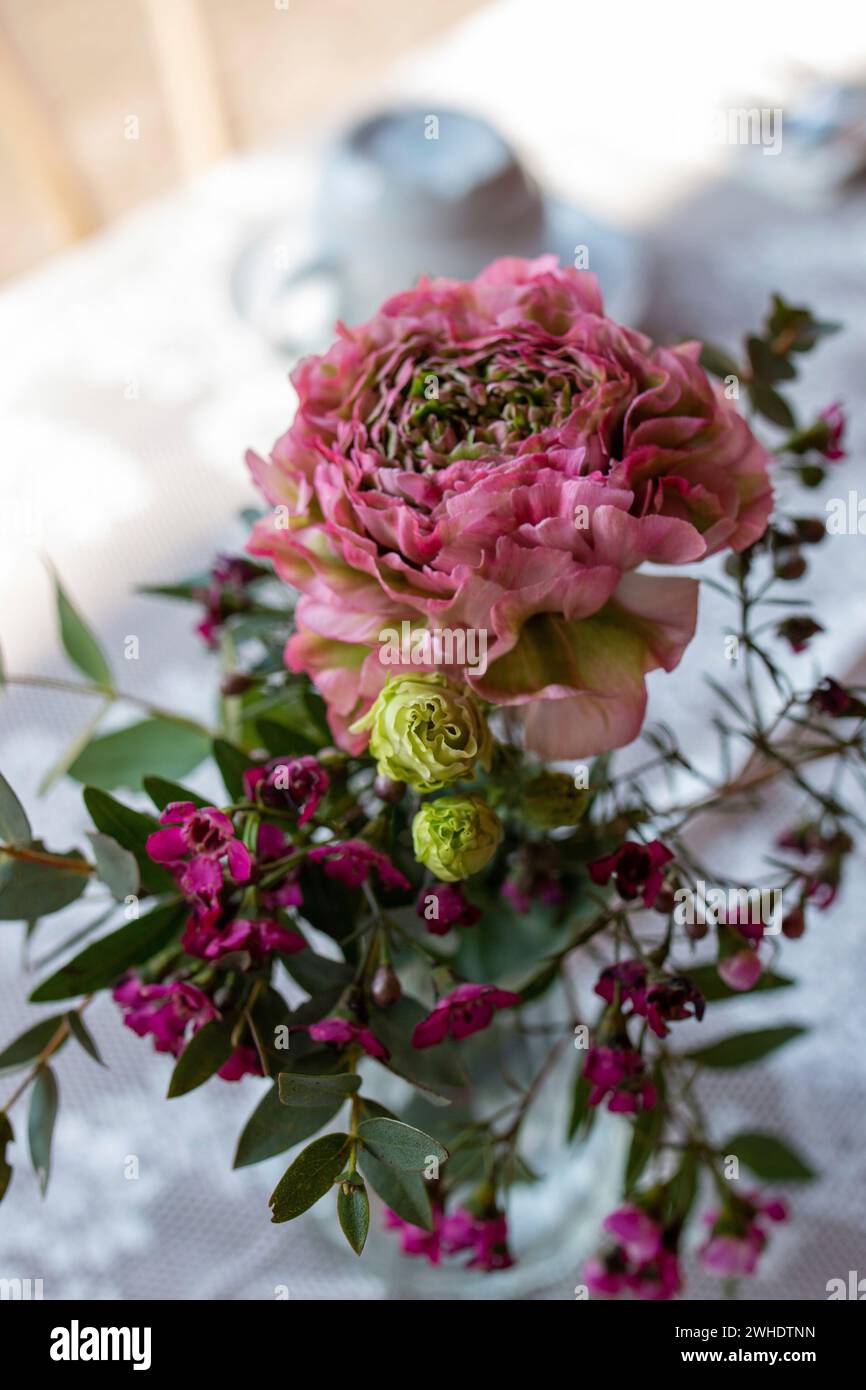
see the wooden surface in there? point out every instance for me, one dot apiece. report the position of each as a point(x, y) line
point(97, 115)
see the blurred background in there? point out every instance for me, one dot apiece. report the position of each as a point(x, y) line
point(193, 192)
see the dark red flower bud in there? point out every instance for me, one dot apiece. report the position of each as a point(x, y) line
point(385, 989)
point(794, 923)
point(388, 790)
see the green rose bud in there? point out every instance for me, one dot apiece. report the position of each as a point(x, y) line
point(425, 732)
point(456, 836)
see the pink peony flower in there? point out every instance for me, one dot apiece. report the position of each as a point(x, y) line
point(636, 869)
point(342, 1031)
point(352, 861)
point(193, 846)
point(466, 1010)
point(499, 456)
point(452, 908)
point(167, 1011)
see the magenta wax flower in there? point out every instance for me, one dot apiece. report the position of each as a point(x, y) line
point(298, 783)
point(193, 846)
point(834, 418)
point(484, 1237)
point(637, 1233)
point(521, 893)
point(448, 908)
point(414, 1240)
point(351, 862)
point(832, 698)
point(643, 1261)
point(167, 1011)
point(620, 1073)
point(342, 1031)
point(670, 1001)
point(737, 1235)
point(627, 976)
point(225, 594)
point(466, 1010)
point(244, 1061)
point(637, 870)
point(258, 936)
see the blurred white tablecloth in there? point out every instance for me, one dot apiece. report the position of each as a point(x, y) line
point(129, 392)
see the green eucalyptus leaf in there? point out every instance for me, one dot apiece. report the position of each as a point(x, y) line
point(405, 1193)
point(706, 978)
point(744, 1048)
point(353, 1212)
point(7, 1137)
point(82, 1035)
point(44, 1102)
point(117, 867)
point(14, 825)
point(103, 961)
point(163, 792)
point(399, 1145)
point(232, 763)
point(768, 1157)
point(314, 1092)
point(30, 890)
point(273, 1127)
point(203, 1055)
point(312, 1174)
point(79, 642)
point(130, 829)
point(29, 1045)
point(153, 746)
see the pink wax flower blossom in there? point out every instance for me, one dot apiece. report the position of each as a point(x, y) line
point(193, 846)
point(540, 888)
point(467, 1009)
point(259, 937)
point(414, 1240)
point(637, 870)
point(351, 862)
point(485, 1237)
point(343, 1032)
point(561, 451)
point(448, 909)
point(637, 1233)
point(641, 1262)
point(741, 970)
point(661, 1002)
point(620, 1073)
point(298, 783)
point(167, 1011)
point(833, 699)
point(737, 1235)
point(244, 1061)
point(225, 594)
point(461, 1231)
point(272, 844)
point(834, 418)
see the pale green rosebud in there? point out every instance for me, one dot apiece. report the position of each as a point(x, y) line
point(426, 732)
point(456, 836)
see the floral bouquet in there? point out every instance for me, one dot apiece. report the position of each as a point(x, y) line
point(440, 635)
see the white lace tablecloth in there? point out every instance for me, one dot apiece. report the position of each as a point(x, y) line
point(130, 389)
